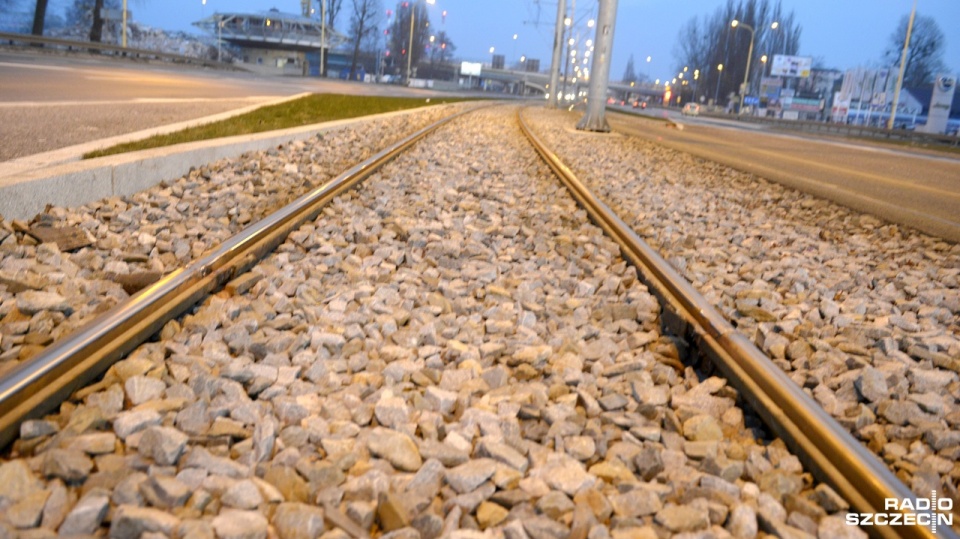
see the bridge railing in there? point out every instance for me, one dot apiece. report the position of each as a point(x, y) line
point(52, 43)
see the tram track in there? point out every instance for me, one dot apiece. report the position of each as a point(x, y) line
point(814, 436)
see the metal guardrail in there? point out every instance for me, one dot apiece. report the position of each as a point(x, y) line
point(846, 129)
point(72, 45)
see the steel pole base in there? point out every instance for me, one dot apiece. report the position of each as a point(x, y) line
point(593, 122)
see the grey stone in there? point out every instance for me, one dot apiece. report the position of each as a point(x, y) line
point(396, 448)
point(470, 475)
point(637, 502)
point(199, 457)
point(702, 428)
point(140, 389)
point(541, 527)
point(86, 517)
point(164, 492)
point(872, 385)
point(565, 473)
point(27, 512)
point(682, 518)
point(127, 423)
point(32, 302)
point(504, 453)
point(298, 521)
point(196, 529)
point(70, 465)
point(235, 524)
point(742, 522)
point(242, 495)
point(162, 444)
point(130, 522)
point(17, 481)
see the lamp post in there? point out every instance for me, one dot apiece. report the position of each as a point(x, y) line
point(413, 16)
point(557, 52)
point(716, 94)
point(746, 74)
point(903, 64)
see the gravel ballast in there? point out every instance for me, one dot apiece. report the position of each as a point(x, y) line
point(450, 350)
point(862, 314)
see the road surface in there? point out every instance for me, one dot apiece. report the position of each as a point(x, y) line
point(49, 102)
point(914, 188)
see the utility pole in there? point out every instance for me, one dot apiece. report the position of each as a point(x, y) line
point(123, 26)
point(903, 65)
point(594, 119)
point(557, 50)
point(323, 33)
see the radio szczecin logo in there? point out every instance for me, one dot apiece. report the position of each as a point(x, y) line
point(929, 512)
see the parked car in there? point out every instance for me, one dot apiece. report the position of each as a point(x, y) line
point(691, 109)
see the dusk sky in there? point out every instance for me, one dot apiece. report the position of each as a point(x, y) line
point(843, 33)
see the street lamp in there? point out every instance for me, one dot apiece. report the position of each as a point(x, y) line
point(746, 75)
point(413, 16)
point(716, 94)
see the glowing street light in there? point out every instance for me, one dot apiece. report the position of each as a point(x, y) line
point(716, 95)
point(746, 74)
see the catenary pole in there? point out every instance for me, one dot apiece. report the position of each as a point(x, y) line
point(594, 119)
point(557, 50)
point(323, 33)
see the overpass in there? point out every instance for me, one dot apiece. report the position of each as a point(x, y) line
point(527, 83)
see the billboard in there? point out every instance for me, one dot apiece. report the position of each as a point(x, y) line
point(770, 87)
point(790, 66)
point(470, 69)
point(940, 104)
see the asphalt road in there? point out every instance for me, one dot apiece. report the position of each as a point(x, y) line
point(913, 188)
point(49, 102)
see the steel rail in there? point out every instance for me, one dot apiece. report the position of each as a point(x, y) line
point(38, 385)
point(827, 449)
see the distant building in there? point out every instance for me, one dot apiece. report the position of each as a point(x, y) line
point(273, 42)
point(866, 98)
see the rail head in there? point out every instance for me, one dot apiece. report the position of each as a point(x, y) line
point(834, 455)
point(37, 386)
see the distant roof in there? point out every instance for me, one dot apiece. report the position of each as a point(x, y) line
point(271, 29)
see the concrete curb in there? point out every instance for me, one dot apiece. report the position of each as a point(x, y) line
point(76, 152)
point(26, 192)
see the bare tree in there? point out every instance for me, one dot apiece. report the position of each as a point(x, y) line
point(333, 9)
point(925, 55)
point(400, 32)
point(441, 51)
point(630, 73)
point(363, 23)
point(705, 44)
point(96, 30)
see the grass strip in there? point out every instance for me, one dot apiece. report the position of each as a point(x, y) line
point(311, 109)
